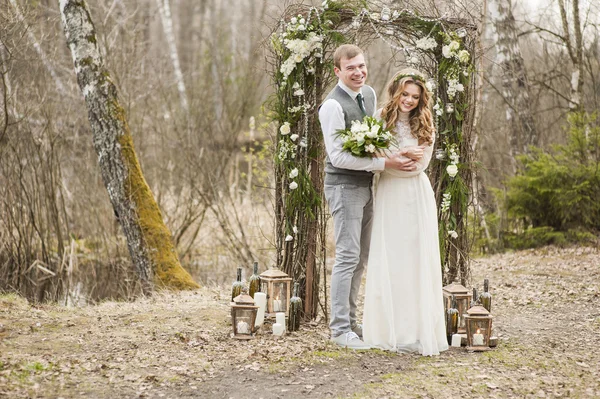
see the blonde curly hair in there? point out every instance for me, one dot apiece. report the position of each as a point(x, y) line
point(420, 118)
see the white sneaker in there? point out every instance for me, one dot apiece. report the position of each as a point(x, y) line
point(357, 329)
point(350, 340)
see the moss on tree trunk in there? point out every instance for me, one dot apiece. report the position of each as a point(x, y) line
point(148, 238)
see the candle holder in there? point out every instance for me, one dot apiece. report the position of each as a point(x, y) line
point(243, 316)
point(463, 300)
point(479, 329)
point(276, 284)
point(385, 14)
point(440, 154)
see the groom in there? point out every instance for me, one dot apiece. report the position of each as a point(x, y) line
point(348, 190)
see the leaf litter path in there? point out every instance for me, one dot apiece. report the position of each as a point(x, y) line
point(546, 312)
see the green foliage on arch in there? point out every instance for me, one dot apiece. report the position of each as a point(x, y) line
point(302, 71)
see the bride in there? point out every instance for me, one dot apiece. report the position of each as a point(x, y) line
point(403, 302)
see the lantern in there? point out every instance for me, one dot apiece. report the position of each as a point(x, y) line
point(479, 328)
point(276, 284)
point(463, 300)
point(385, 14)
point(243, 316)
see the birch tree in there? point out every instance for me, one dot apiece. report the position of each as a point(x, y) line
point(515, 86)
point(38, 48)
point(164, 9)
point(148, 239)
point(574, 43)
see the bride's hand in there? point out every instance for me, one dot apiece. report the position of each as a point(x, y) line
point(415, 153)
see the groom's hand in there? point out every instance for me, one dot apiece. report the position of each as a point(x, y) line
point(400, 163)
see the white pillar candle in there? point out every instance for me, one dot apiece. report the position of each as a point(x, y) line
point(477, 339)
point(280, 318)
point(260, 299)
point(456, 339)
point(277, 306)
point(278, 329)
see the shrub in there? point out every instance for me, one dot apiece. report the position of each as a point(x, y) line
point(560, 189)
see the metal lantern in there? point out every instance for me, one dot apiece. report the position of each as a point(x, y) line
point(243, 316)
point(463, 300)
point(276, 284)
point(479, 328)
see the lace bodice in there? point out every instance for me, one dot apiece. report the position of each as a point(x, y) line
point(404, 138)
point(403, 134)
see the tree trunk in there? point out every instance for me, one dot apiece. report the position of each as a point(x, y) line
point(575, 50)
point(148, 239)
point(515, 87)
point(36, 45)
point(164, 9)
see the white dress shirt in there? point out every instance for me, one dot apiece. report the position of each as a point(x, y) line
point(331, 116)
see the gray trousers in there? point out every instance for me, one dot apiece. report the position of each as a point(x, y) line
point(351, 207)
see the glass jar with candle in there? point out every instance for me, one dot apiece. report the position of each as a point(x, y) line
point(479, 328)
point(276, 284)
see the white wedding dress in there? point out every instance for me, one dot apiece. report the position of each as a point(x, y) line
point(403, 301)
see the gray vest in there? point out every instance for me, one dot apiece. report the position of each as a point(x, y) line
point(352, 112)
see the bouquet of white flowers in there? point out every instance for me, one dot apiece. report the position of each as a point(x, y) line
point(364, 138)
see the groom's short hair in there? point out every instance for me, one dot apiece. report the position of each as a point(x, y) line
point(345, 51)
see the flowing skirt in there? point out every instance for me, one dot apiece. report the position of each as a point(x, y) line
point(404, 308)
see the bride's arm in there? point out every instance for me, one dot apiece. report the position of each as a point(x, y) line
point(421, 163)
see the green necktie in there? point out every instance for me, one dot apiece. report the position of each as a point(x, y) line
point(361, 103)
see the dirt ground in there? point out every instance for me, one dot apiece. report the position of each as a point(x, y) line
point(546, 307)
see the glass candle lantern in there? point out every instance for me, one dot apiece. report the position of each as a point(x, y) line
point(385, 14)
point(461, 32)
point(243, 316)
point(463, 300)
point(479, 328)
point(276, 284)
point(440, 154)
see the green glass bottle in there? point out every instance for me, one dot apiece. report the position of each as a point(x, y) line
point(486, 297)
point(236, 288)
point(254, 281)
point(295, 310)
point(474, 299)
point(451, 320)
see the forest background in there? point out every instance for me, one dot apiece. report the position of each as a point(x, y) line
point(192, 78)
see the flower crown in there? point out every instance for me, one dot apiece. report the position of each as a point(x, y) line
point(413, 76)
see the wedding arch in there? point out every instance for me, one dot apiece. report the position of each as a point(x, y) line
point(301, 68)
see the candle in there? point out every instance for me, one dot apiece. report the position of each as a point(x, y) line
point(277, 306)
point(243, 327)
point(280, 318)
point(478, 338)
point(278, 329)
point(456, 340)
point(260, 299)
